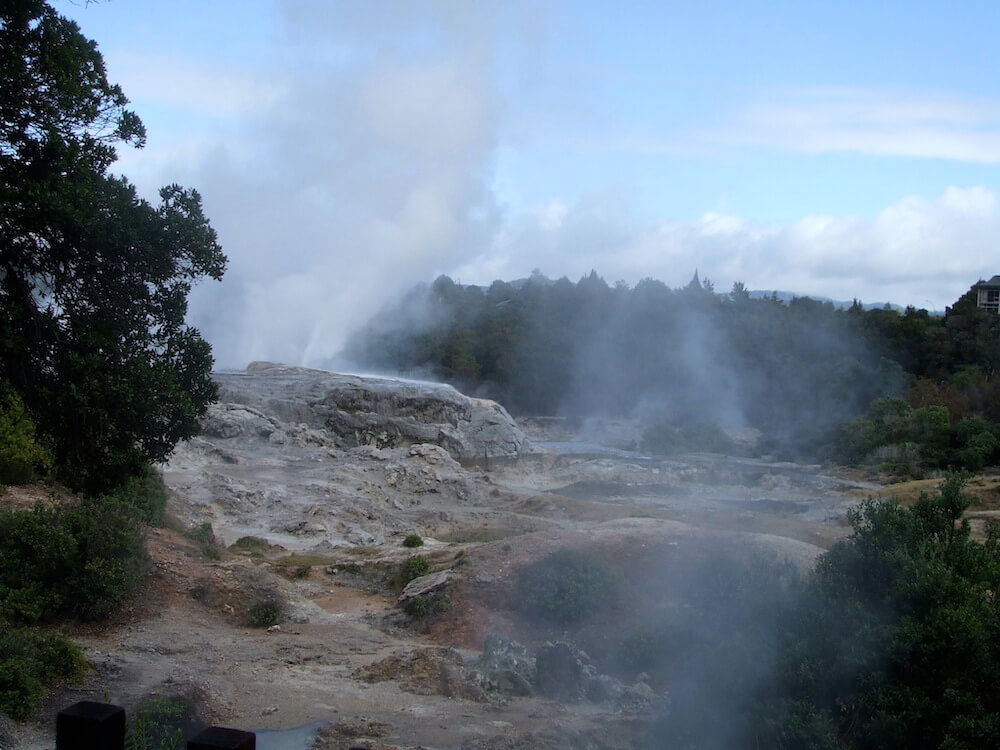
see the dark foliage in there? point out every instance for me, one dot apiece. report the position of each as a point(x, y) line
point(413, 567)
point(84, 559)
point(93, 279)
point(686, 358)
point(31, 661)
point(895, 643)
point(566, 587)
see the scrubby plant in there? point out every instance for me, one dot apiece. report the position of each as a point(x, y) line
point(202, 533)
point(30, 662)
point(413, 540)
point(413, 567)
point(146, 493)
point(84, 559)
point(264, 612)
point(251, 544)
point(159, 724)
point(565, 588)
point(422, 606)
point(22, 456)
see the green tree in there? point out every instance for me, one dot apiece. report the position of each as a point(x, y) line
point(897, 642)
point(93, 279)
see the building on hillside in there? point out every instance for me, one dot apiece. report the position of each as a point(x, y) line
point(988, 294)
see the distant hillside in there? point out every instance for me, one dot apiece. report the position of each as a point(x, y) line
point(787, 297)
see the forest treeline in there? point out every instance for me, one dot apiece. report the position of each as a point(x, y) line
point(908, 390)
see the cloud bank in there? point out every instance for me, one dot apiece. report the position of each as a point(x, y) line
point(919, 251)
point(359, 157)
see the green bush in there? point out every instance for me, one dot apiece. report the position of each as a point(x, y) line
point(251, 544)
point(264, 612)
point(21, 455)
point(159, 724)
point(895, 642)
point(146, 493)
point(413, 567)
point(422, 606)
point(413, 540)
point(30, 662)
point(202, 533)
point(566, 587)
point(83, 559)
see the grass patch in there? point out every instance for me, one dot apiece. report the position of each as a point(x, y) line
point(160, 723)
point(478, 535)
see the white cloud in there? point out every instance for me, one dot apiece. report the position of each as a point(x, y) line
point(880, 123)
point(925, 252)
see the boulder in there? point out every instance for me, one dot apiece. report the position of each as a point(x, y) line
point(357, 411)
point(432, 583)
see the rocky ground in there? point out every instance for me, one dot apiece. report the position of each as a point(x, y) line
point(311, 482)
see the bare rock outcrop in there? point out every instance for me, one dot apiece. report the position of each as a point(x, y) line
point(355, 410)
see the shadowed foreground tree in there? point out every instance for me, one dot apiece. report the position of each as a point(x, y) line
point(93, 279)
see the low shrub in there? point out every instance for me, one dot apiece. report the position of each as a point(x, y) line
point(161, 723)
point(566, 587)
point(413, 540)
point(252, 544)
point(83, 559)
point(413, 567)
point(264, 612)
point(422, 606)
point(146, 493)
point(22, 456)
point(32, 661)
point(202, 533)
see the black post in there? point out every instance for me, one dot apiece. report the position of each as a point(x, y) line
point(89, 725)
point(220, 738)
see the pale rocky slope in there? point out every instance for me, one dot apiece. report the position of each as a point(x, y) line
point(338, 470)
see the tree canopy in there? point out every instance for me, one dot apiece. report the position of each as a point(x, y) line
point(813, 378)
point(93, 279)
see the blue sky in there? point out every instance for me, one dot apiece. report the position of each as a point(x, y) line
point(348, 150)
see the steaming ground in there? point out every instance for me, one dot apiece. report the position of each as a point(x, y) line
point(335, 517)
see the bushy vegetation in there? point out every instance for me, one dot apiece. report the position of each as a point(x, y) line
point(82, 559)
point(422, 606)
point(895, 643)
point(895, 436)
point(22, 457)
point(265, 612)
point(100, 376)
point(413, 540)
point(32, 661)
point(413, 567)
point(566, 587)
point(891, 643)
point(160, 723)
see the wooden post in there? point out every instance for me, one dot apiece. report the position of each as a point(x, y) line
point(89, 725)
point(220, 738)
